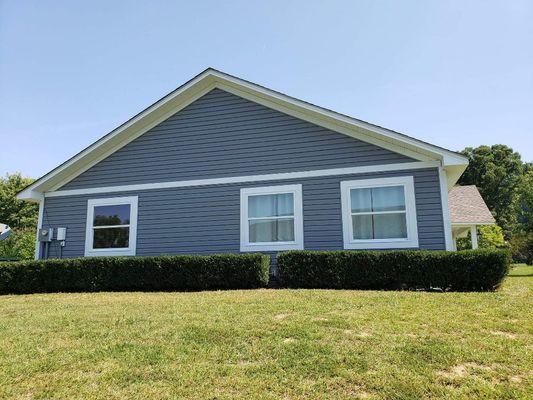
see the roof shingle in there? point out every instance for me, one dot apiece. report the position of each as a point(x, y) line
point(468, 207)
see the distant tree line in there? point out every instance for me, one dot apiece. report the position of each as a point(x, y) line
point(506, 185)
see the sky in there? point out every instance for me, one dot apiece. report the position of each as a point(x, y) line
point(452, 73)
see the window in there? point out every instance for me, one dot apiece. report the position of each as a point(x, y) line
point(271, 218)
point(111, 227)
point(379, 213)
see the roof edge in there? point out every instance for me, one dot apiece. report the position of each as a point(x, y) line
point(209, 79)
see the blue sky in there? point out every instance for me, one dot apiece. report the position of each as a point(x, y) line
point(452, 73)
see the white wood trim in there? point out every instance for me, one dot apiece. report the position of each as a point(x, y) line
point(473, 236)
point(410, 210)
point(298, 243)
point(445, 210)
point(469, 224)
point(39, 226)
point(131, 249)
point(250, 178)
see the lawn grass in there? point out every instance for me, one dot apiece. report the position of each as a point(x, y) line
point(289, 344)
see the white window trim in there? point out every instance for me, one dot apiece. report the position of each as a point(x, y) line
point(298, 243)
point(410, 212)
point(129, 251)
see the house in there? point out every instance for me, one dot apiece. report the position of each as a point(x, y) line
point(224, 165)
point(467, 212)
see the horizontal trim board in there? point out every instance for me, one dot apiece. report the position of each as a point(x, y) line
point(250, 178)
point(469, 224)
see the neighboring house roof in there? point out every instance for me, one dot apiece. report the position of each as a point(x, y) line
point(453, 163)
point(467, 207)
point(5, 231)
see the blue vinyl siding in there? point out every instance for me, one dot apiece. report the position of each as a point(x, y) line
point(206, 219)
point(222, 135)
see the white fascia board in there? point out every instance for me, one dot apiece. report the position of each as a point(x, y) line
point(210, 79)
point(468, 224)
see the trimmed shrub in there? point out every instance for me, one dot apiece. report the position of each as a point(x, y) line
point(183, 272)
point(469, 270)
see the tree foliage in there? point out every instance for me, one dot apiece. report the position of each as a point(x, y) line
point(13, 212)
point(19, 245)
point(497, 172)
point(521, 246)
point(524, 205)
point(489, 237)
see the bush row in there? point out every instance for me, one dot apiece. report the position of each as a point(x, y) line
point(469, 270)
point(184, 272)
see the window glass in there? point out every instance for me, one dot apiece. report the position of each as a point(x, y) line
point(361, 200)
point(390, 226)
point(378, 213)
point(388, 198)
point(118, 214)
point(379, 226)
point(271, 205)
point(362, 226)
point(271, 230)
point(268, 222)
point(111, 238)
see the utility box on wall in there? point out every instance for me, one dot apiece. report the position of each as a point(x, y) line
point(45, 234)
point(61, 234)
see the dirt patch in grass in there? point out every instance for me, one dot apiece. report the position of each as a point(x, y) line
point(507, 335)
point(463, 370)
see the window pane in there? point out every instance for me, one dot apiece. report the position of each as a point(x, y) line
point(390, 198)
point(112, 215)
point(362, 226)
point(271, 230)
point(111, 238)
point(271, 205)
point(361, 200)
point(390, 226)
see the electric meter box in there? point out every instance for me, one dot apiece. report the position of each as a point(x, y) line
point(61, 234)
point(45, 234)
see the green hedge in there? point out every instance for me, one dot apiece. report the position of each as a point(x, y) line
point(469, 270)
point(221, 271)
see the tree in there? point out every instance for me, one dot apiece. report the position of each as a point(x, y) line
point(524, 205)
point(497, 171)
point(13, 212)
point(521, 246)
point(19, 245)
point(490, 237)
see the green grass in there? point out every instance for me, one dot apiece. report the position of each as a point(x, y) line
point(288, 344)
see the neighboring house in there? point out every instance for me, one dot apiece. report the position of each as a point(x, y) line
point(467, 212)
point(5, 231)
point(225, 165)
